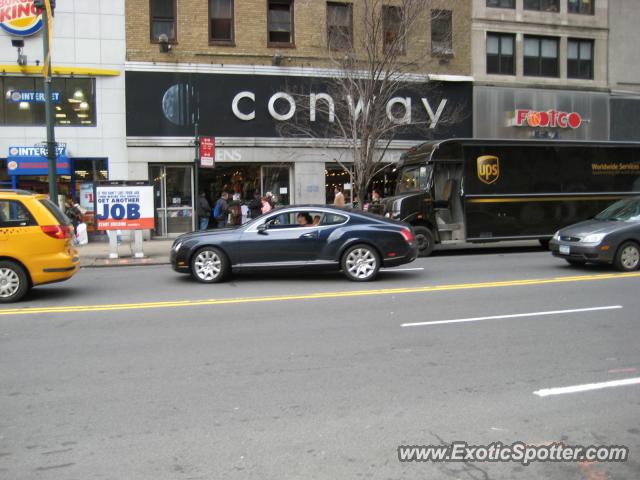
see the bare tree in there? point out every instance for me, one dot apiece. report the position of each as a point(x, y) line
point(376, 64)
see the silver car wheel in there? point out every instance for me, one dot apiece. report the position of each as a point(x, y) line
point(361, 263)
point(208, 265)
point(9, 282)
point(630, 257)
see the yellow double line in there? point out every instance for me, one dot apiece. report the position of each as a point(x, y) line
point(313, 296)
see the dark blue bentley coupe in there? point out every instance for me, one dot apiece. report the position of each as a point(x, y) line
point(298, 237)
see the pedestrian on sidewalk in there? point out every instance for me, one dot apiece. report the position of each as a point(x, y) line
point(221, 210)
point(255, 205)
point(204, 211)
point(266, 206)
point(338, 199)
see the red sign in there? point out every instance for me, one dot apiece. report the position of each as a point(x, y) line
point(550, 118)
point(207, 152)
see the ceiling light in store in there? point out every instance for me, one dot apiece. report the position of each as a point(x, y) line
point(24, 106)
point(83, 115)
point(84, 106)
point(86, 122)
point(78, 94)
point(61, 115)
point(58, 108)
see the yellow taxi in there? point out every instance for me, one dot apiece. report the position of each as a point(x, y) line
point(35, 244)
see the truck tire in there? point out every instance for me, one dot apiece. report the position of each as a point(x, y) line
point(424, 239)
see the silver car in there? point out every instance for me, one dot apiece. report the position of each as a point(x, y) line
point(611, 237)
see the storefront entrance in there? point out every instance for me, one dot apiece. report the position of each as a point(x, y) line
point(173, 199)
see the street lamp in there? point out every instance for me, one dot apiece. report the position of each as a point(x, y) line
point(47, 7)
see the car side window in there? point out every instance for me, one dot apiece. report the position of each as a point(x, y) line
point(15, 214)
point(333, 219)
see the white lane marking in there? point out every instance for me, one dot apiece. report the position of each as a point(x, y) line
point(517, 315)
point(545, 392)
point(401, 269)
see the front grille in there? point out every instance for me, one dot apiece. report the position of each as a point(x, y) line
point(570, 239)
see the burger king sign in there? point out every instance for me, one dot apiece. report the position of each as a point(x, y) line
point(20, 17)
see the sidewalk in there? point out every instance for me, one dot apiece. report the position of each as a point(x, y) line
point(96, 254)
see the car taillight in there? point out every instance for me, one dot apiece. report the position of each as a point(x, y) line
point(57, 231)
point(408, 236)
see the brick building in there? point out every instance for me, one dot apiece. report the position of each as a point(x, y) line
point(230, 63)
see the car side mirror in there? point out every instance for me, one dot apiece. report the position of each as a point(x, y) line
point(263, 228)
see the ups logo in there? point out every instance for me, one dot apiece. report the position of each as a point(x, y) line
point(488, 169)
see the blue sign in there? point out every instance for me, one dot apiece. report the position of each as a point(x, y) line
point(33, 161)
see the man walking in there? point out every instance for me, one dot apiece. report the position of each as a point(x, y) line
point(204, 211)
point(338, 199)
point(221, 210)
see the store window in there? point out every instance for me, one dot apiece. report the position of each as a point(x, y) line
point(393, 29)
point(221, 21)
point(580, 59)
point(5, 180)
point(541, 56)
point(500, 53)
point(24, 101)
point(584, 7)
point(338, 176)
point(339, 26)
point(542, 5)
point(501, 3)
point(163, 19)
point(280, 22)
point(441, 32)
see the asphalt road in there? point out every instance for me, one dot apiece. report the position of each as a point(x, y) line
point(141, 373)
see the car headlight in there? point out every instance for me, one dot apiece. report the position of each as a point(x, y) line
point(594, 238)
point(177, 246)
point(556, 236)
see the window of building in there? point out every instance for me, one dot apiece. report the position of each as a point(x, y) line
point(542, 5)
point(339, 25)
point(73, 101)
point(393, 29)
point(580, 59)
point(584, 7)
point(221, 21)
point(501, 3)
point(500, 53)
point(441, 32)
point(163, 19)
point(280, 22)
point(541, 56)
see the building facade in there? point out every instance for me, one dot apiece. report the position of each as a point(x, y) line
point(230, 67)
point(541, 69)
point(88, 55)
point(624, 70)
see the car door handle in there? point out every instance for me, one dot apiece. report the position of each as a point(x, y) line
point(310, 235)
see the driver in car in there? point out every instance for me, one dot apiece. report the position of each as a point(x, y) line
point(304, 219)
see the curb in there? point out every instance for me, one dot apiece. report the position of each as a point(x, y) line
point(124, 263)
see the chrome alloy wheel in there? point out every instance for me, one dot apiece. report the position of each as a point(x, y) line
point(207, 265)
point(630, 257)
point(361, 263)
point(9, 282)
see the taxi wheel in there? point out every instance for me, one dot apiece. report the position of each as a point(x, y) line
point(627, 257)
point(360, 263)
point(209, 265)
point(14, 282)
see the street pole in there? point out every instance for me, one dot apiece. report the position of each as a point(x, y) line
point(196, 167)
point(46, 70)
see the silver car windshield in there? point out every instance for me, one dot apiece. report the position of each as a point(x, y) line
point(624, 210)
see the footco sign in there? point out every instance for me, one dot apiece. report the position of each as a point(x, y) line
point(550, 118)
point(20, 17)
point(488, 169)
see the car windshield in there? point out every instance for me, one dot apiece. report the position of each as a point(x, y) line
point(624, 210)
point(413, 178)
